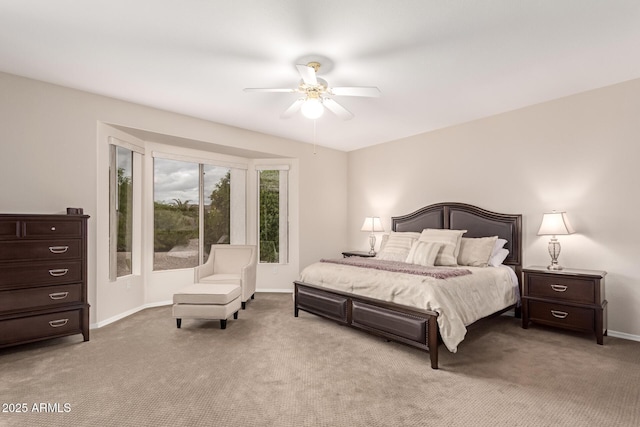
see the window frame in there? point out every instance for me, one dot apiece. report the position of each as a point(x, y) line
point(137, 155)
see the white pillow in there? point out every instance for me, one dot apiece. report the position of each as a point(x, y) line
point(397, 246)
point(475, 252)
point(423, 253)
point(499, 245)
point(497, 259)
point(450, 239)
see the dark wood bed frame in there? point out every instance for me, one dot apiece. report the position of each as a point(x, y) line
point(404, 324)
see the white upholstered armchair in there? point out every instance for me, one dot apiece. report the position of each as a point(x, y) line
point(230, 264)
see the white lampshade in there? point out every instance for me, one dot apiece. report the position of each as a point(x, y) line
point(312, 108)
point(555, 223)
point(372, 224)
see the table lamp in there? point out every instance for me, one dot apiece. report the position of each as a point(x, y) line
point(553, 224)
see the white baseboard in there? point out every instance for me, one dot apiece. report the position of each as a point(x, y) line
point(623, 336)
point(128, 313)
point(275, 291)
point(163, 303)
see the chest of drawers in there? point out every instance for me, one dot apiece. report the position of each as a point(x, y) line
point(43, 277)
point(570, 299)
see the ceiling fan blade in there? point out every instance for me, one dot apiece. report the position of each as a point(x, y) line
point(370, 91)
point(293, 108)
point(258, 89)
point(337, 109)
point(308, 74)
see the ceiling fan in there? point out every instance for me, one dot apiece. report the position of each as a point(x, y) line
point(316, 94)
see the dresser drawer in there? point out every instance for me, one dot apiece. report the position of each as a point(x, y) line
point(40, 250)
point(51, 228)
point(580, 290)
point(32, 328)
point(569, 317)
point(36, 298)
point(9, 229)
point(40, 273)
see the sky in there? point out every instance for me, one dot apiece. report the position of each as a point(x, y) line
point(175, 179)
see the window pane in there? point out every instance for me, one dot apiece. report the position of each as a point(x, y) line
point(123, 210)
point(176, 213)
point(269, 215)
point(217, 206)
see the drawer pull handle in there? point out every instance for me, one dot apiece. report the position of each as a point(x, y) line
point(559, 288)
point(59, 295)
point(58, 323)
point(59, 272)
point(58, 249)
point(559, 314)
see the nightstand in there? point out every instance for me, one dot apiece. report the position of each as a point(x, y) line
point(362, 254)
point(570, 299)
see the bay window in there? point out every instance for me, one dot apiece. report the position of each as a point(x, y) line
point(273, 221)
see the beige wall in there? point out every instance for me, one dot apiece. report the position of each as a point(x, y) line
point(578, 154)
point(49, 155)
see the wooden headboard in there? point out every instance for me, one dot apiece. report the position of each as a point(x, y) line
point(477, 221)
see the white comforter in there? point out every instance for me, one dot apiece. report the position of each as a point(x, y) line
point(459, 301)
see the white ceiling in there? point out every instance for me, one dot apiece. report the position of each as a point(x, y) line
point(437, 63)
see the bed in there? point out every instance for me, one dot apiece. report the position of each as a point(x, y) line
point(353, 295)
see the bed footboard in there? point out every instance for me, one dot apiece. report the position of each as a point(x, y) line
point(414, 327)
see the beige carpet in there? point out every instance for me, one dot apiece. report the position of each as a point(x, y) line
point(271, 369)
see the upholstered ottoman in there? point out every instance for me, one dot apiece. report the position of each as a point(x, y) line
point(207, 301)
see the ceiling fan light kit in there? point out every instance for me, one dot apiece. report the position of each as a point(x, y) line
point(317, 94)
point(312, 108)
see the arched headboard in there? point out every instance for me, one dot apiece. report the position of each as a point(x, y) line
point(477, 221)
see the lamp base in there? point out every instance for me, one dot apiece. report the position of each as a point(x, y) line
point(372, 242)
point(554, 252)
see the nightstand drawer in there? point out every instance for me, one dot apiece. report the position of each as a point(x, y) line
point(562, 288)
point(576, 318)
